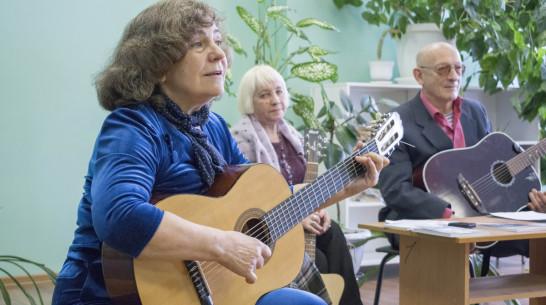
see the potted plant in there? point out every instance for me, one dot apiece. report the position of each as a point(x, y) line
point(19, 263)
point(413, 23)
point(506, 37)
point(381, 70)
point(508, 40)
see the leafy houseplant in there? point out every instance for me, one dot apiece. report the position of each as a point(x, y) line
point(398, 14)
point(339, 123)
point(506, 37)
point(271, 49)
point(19, 263)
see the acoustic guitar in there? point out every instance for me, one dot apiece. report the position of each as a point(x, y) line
point(313, 140)
point(495, 175)
point(312, 143)
point(254, 200)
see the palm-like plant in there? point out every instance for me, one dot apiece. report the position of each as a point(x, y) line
point(20, 263)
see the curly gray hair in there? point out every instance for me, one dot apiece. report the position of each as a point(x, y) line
point(151, 43)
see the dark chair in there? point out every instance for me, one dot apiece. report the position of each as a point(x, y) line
point(390, 253)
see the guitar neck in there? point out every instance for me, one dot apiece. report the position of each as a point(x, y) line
point(526, 158)
point(293, 210)
point(311, 174)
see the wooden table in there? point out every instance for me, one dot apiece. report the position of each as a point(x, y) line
point(435, 269)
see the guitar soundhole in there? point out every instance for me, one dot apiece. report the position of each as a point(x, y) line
point(251, 223)
point(256, 228)
point(501, 173)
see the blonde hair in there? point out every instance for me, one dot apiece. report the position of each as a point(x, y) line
point(152, 42)
point(258, 76)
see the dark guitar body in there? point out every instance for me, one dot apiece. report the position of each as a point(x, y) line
point(500, 193)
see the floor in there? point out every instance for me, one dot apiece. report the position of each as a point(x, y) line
point(389, 288)
point(389, 291)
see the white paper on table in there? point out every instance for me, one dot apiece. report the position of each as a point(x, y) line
point(525, 215)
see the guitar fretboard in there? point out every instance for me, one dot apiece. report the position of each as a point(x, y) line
point(526, 158)
point(293, 210)
point(311, 172)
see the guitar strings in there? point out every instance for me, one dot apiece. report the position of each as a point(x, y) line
point(503, 173)
point(352, 170)
point(484, 184)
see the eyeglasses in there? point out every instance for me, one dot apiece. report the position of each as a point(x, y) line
point(443, 70)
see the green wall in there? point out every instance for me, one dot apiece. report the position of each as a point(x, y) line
point(50, 51)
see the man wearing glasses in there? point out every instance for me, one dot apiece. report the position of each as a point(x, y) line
point(435, 120)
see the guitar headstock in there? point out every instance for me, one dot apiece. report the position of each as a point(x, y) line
point(386, 131)
point(313, 142)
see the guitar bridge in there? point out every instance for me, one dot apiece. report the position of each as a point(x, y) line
point(199, 282)
point(470, 194)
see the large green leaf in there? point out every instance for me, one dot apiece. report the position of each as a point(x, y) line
point(252, 22)
point(346, 101)
point(307, 116)
point(315, 71)
point(313, 21)
point(304, 107)
point(334, 154)
point(346, 138)
point(302, 99)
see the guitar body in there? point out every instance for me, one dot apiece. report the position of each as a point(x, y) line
point(167, 282)
point(480, 166)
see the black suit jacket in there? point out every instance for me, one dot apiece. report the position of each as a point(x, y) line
point(403, 200)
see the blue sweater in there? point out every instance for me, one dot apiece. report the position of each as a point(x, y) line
point(138, 153)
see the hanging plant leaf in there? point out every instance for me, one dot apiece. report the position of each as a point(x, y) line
point(315, 71)
point(236, 45)
point(346, 101)
point(334, 153)
point(285, 21)
point(345, 138)
point(367, 103)
point(302, 99)
point(277, 8)
point(336, 112)
point(252, 22)
point(316, 52)
point(313, 21)
point(307, 116)
point(304, 106)
point(388, 102)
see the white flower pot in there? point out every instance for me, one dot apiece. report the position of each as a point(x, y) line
point(381, 71)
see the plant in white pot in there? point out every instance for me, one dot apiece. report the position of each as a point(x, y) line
point(413, 23)
point(381, 70)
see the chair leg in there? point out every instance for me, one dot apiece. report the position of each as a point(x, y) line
point(380, 278)
point(472, 269)
point(486, 262)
